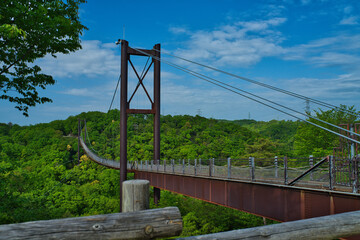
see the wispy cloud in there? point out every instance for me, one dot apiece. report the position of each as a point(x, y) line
point(83, 92)
point(341, 50)
point(94, 59)
point(352, 20)
point(329, 59)
point(242, 43)
point(178, 30)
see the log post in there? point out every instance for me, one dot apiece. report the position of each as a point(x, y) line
point(327, 227)
point(135, 195)
point(146, 224)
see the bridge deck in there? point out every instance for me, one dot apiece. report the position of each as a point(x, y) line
point(267, 197)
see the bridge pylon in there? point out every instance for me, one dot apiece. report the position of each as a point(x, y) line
point(126, 53)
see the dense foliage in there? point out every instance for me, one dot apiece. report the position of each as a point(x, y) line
point(29, 30)
point(313, 140)
point(40, 177)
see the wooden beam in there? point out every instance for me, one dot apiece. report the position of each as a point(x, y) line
point(147, 224)
point(328, 227)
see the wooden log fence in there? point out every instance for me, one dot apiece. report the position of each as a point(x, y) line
point(328, 227)
point(147, 224)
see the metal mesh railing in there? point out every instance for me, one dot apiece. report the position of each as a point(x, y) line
point(328, 173)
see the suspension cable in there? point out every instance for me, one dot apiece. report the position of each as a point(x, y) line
point(141, 75)
point(278, 104)
point(258, 101)
point(88, 138)
point(113, 98)
point(328, 105)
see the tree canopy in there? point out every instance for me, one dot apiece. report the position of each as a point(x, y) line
point(29, 30)
point(40, 177)
point(313, 140)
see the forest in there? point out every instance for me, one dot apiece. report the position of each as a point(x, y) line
point(41, 178)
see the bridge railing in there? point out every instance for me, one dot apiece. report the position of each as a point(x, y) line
point(331, 173)
point(346, 172)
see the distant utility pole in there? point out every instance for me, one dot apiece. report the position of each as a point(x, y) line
point(249, 116)
point(198, 112)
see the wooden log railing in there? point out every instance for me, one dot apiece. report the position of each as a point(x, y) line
point(147, 224)
point(328, 227)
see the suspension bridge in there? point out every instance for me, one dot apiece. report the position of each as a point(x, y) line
point(280, 188)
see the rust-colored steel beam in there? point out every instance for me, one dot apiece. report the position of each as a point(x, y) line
point(156, 105)
point(135, 52)
point(140, 111)
point(277, 202)
point(123, 114)
point(156, 108)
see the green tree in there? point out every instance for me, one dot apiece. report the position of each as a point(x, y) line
point(310, 139)
point(261, 148)
point(29, 30)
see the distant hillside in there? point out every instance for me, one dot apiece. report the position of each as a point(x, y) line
point(41, 179)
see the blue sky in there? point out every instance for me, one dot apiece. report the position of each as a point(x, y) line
point(306, 46)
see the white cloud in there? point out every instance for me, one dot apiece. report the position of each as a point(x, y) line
point(352, 20)
point(342, 50)
point(241, 44)
point(178, 30)
point(305, 2)
point(341, 89)
point(271, 10)
point(94, 59)
point(333, 59)
point(261, 26)
point(84, 92)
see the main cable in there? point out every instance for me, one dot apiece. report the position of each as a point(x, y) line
point(113, 98)
point(328, 105)
point(278, 104)
point(219, 85)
